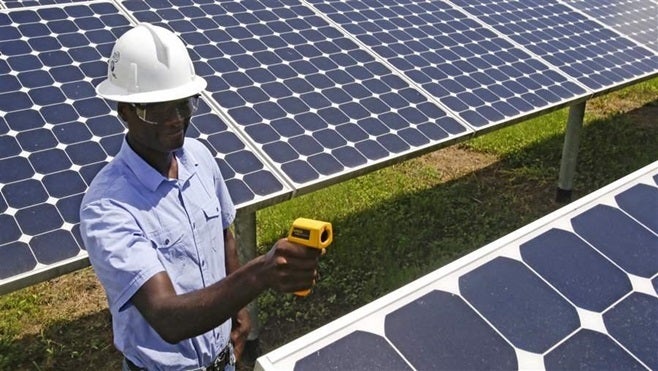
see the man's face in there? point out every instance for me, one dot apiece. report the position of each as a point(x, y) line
point(159, 127)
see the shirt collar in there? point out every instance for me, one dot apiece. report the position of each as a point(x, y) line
point(147, 175)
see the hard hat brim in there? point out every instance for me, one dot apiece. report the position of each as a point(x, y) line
point(115, 93)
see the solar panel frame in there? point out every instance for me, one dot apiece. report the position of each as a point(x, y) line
point(478, 282)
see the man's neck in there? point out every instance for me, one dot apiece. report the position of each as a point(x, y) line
point(164, 163)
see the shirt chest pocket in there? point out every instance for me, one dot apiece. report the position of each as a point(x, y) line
point(176, 255)
point(209, 225)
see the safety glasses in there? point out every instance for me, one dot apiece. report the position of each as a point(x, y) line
point(156, 113)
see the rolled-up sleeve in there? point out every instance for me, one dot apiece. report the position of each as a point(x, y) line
point(122, 257)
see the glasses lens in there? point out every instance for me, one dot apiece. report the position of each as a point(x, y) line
point(161, 112)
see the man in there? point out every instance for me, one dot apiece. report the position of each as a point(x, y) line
point(156, 222)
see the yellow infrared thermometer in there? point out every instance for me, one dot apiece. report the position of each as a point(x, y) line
point(310, 233)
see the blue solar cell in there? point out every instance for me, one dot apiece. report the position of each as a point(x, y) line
point(262, 133)
point(85, 153)
point(95, 69)
point(92, 107)
point(65, 74)
point(519, 304)
point(371, 150)
point(43, 246)
point(24, 193)
point(42, 44)
point(88, 172)
point(325, 164)
point(641, 202)
point(633, 323)
point(64, 183)
point(14, 168)
point(8, 33)
point(37, 139)
point(329, 138)
point(299, 171)
point(305, 145)
point(374, 353)
point(585, 277)
point(14, 101)
point(49, 161)
point(262, 183)
point(14, 47)
point(38, 219)
point(33, 29)
point(50, 14)
point(239, 191)
point(58, 114)
point(55, 58)
point(225, 142)
point(73, 40)
point(46, 96)
point(593, 349)
point(78, 89)
point(244, 162)
point(103, 126)
point(112, 144)
point(35, 79)
point(620, 231)
point(9, 229)
point(63, 26)
point(8, 147)
point(349, 156)
point(16, 252)
point(439, 320)
point(72, 132)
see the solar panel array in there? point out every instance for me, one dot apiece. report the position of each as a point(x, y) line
point(300, 94)
point(306, 95)
point(561, 293)
point(472, 70)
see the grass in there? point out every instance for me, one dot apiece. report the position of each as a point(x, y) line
point(390, 227)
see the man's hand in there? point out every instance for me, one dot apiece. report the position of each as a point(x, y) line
point(291, 267)
point(239, 332)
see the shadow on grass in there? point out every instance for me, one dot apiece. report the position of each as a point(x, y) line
point(396, 241)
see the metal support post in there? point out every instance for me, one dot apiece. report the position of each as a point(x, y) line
point(245, 230)
point(570, 152)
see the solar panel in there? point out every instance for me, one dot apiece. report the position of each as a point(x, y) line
point(317, 105)
point(559, 293)
point(56, 134)
point(595, 55)
point(472, 70)
point(636, 19)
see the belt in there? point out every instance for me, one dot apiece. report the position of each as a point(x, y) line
point(223, 359)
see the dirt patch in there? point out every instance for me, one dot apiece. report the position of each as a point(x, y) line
point(454, 162)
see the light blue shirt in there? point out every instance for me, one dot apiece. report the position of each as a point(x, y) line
point(135, 223)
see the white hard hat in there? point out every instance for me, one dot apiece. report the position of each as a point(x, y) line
point(149, 64)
